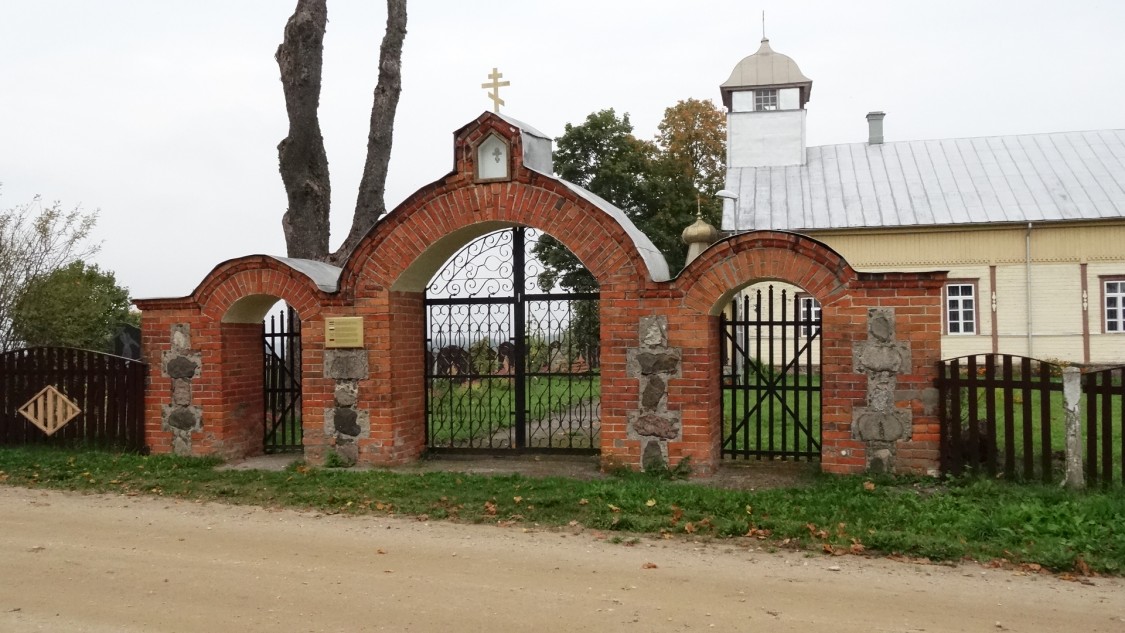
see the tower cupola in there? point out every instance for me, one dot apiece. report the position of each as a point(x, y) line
point(765, 98)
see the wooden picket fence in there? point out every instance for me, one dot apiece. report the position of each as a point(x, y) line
point(1004, 415)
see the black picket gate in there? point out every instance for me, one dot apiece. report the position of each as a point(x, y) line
point(771, 384)
point(63, 396)
point(281, 338)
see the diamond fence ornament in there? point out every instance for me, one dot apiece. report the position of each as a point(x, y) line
point(50, 410)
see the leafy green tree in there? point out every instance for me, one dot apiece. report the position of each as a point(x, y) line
point(36, 239)
point(660, 184)
point(77, 305)
point(603, 156)
point(690, 168)
point(692, 143)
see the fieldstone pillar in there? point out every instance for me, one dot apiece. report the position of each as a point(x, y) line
point(182, 364)
point(343, 423)
point(654, 363)
point(880, 424)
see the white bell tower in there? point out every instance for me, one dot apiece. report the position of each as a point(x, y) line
point(765, 99)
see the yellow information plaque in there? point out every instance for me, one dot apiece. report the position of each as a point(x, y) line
point(343, 332)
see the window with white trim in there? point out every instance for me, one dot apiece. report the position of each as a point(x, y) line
point(765, 99)
point(810, 312)
point(961, 308)
point(1114, 298)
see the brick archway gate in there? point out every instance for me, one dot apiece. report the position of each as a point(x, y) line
point(363, 395)
point(881, 341)
point(205, 394)
point(387, 276)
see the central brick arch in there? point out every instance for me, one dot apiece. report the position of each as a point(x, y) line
point(386, 277)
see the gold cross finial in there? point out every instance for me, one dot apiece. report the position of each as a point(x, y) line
point(495, 86)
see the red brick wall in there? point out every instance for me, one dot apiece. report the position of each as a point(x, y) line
point(229, 386)
point(845, 298)
point(385, 279)
point(241, 409)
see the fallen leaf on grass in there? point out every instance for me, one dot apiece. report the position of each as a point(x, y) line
point(517, 499)
point(613, 508)
point(648, 566)
point(490, 508)
point(677, 514)
point(583, 502)
point(868, 485)
point(650, 502)
point(380, 551)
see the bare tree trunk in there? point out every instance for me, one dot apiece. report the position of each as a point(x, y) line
point(370, 203)
point(303, 161)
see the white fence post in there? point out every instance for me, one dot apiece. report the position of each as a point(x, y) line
point(1072, 402)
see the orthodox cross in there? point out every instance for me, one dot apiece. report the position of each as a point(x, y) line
point(495, 85)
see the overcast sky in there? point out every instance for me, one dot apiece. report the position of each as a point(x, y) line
point(165, 115)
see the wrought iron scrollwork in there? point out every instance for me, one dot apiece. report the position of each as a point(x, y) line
point(510, 365)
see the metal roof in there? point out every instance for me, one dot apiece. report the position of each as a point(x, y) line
point(653, 258)
point(765, 68)
point(1025, 178)
point(325, 276)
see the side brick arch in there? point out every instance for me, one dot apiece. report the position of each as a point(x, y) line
point(710, 281)
point(858, 311)
point(205, 356)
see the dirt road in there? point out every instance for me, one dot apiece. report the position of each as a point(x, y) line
point(109, 563)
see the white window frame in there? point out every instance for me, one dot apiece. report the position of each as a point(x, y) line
point(954, 302)
point(1113, 305)
point(810, 310)
point(765, 100)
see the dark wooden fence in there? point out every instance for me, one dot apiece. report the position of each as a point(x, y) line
point(107, 390)
point(1004, 415)
point(1104, 394)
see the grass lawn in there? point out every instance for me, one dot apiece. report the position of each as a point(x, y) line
point(469, 413)
point(977, 518)
point(773, 423)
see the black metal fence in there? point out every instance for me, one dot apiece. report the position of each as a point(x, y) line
point(771, 384)
point(65, 396)
point(281, 337)
point(511, 360)
point(1004, 415)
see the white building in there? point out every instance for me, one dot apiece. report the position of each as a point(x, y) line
point(1031, 227)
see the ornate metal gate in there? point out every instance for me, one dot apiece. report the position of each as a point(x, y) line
point(770, 354)
point(281, 336)
point(510, 365)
